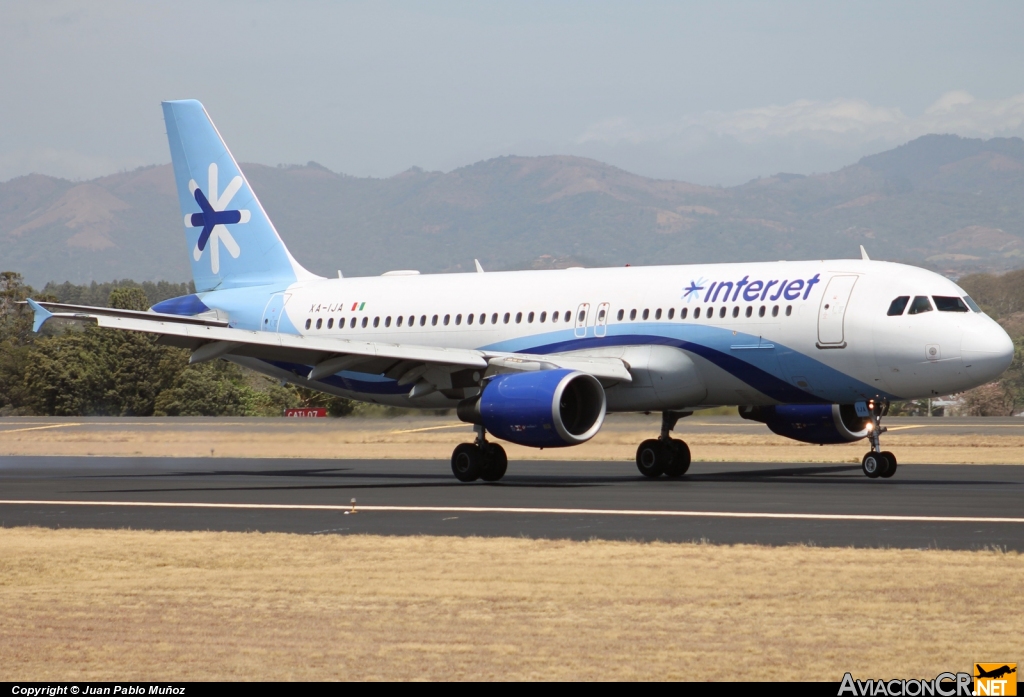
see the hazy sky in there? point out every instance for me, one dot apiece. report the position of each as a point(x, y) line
point(709, 92)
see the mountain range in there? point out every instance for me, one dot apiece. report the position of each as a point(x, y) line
point(952, 204)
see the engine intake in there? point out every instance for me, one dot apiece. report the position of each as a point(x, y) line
point(541, 409)
point(821, 424)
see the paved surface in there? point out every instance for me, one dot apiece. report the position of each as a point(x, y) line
point(709, 503)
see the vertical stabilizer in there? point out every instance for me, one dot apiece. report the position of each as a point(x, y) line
point(231, 241)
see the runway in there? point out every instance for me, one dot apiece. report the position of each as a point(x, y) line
point(924, 506)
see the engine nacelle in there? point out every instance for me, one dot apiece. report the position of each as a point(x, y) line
point(821, 424)
point(541, 409)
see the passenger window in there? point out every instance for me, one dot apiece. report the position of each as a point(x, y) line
point(920, 305)
point(736, 311)
point(352, 324)
point(308, 323)
point(682, 313)
point(376, 322)
point(632, 314)
point(971, 304)
point(567, 315)
point(447, 319)
point(897, 306)
point(494, 318)
point(398, 322)
point(721, 312)
point(366, 320)
point(789, 310)
point(458, 319)
point(412, 320)
point(433, 322)
point(671, 312)
point(775, 311)
point(543, 317)
point(554, 316)
point(760, 313)
point(330, 323)
point(657, 313)
point(519, 317)
point(949, 304)
point(620, 315)
point(423, 320)
point(319, 323)
point(529, 318)
point(506, 318)
point(750, 310)
point(387, 323)
point(696, 313)
point(647, 313)
point(469, 319)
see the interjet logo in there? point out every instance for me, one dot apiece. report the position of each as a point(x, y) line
point(214, 217)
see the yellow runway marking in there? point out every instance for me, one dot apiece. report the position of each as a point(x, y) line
point(903, 428)
point(36, 428)
point(432, 428)
point(548, 511)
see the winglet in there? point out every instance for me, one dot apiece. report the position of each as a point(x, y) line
point(41, 315)
point(864, 253)
point(479, 269)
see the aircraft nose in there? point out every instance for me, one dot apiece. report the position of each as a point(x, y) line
point(986, 351)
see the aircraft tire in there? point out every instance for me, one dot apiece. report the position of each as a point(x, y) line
point(467, 462)
point(651, 458)
point(680, 461)
point(891, 470)
point(495, 463)
point(873, 465)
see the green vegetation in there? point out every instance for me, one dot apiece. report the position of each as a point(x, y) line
point(75, 370)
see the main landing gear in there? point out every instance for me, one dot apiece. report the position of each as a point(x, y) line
point(664, 454)
point(479, 460)
point(878, 462)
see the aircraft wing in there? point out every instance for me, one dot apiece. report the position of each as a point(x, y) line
point(210, 338)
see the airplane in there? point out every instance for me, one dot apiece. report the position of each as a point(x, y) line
point(815, 350)
point(995, 673)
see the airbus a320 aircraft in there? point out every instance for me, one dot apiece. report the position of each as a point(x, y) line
point(815, 350)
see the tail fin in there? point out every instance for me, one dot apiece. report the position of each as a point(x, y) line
point(231, 241)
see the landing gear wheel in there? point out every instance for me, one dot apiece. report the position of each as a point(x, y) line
point(892, 464)
point(467, 462)
point(680, 458)
point(652, 457)
point(495, 463)
point(874, 464)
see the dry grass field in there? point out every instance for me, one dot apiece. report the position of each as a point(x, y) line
point(120, 605)
point(730, 440)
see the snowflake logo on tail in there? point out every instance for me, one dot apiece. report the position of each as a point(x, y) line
point(214, 217)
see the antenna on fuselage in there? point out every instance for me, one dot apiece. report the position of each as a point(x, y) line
point(864, 254)
point(479, 269)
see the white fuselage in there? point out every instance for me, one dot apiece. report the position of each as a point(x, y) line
point(695, 335)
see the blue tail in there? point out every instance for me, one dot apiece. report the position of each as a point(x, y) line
point(230, 239)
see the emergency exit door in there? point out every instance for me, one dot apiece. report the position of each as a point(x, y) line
point(832, 313)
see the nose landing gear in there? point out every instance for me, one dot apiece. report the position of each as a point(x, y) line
point(664, 454)
point(878, 463)
point(479, 460)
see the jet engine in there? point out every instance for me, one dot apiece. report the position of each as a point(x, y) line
point(541, 409)
point(821, 424)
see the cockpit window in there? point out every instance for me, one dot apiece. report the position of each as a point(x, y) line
point(898, 306)
point(971, 304)
point(949, 304)
point(920, 304)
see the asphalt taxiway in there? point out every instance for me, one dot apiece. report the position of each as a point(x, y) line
point(923, 506)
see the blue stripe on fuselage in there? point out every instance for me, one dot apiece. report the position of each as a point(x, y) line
point(761, 369)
